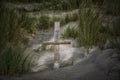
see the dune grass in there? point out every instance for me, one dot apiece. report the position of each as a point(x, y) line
point(13, 26)
point(87, 32)
point(69, 32)
point(13, 60)
point(89, 24)
point(52, 4)
point(44, 22)
point(47, 21)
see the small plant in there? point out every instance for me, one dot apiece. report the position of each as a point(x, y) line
point(13, 25)
point(27, 23)
point(69, 32)
point(44, 22)
point(67, 18)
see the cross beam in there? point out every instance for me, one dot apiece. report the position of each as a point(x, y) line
point(56, 43)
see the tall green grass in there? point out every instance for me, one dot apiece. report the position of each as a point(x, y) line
point(14, 61)
point(45, 21)
point(89, 24)
point(13, 26)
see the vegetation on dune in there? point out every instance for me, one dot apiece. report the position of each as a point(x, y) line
point(70, 17)
point(70, 32)
point(13, 60)
point(89, 24)
point(52, 4)
point(13, 26)
point(112, 7)
point(44, 22)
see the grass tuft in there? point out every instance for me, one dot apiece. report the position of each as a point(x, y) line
point(14, 61)
point(13, 26)
point(44, 22)
point(69, 32)
point(89, 24)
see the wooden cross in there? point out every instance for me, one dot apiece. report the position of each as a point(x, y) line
point(56, 42)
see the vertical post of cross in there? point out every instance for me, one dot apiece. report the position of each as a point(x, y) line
point(56, 39)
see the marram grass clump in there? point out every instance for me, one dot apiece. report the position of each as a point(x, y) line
point(13, 25)
point(89, 25)
point(13, 60)
point(44, 22)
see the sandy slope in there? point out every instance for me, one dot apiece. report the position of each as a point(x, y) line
point(100, 65)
